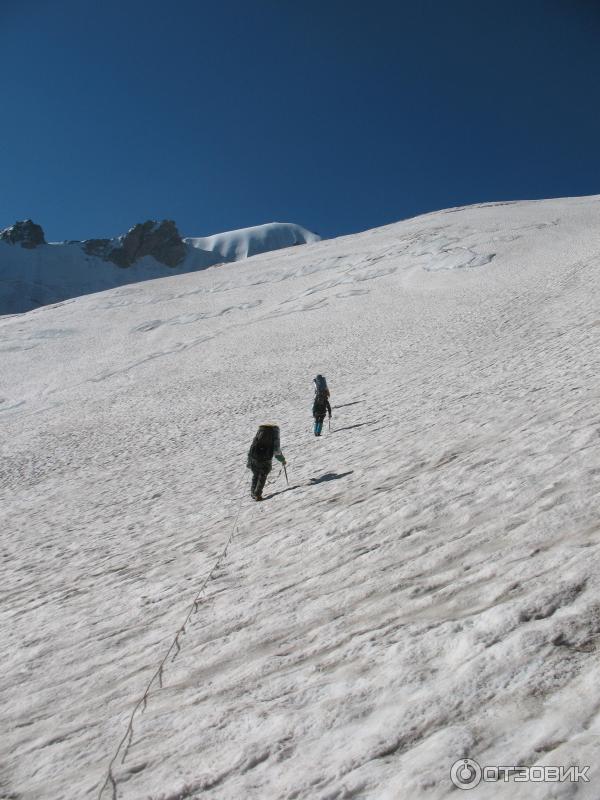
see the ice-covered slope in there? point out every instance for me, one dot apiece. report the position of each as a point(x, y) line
point(55, 272)
point(50, 273)
point(428, 586)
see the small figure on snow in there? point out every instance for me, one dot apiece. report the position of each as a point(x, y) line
point(265, 445)
point(321, 403)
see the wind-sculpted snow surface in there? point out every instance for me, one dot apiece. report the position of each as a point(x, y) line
point(425, 589)
point(246, 242)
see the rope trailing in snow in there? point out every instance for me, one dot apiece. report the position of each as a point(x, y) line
point(173, 651)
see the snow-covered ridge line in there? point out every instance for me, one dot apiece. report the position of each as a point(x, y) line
point(247, 242)
point(35, 273)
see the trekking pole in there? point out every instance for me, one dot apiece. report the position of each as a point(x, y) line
point(330, 422)
point(285, 472)
point(275, 479)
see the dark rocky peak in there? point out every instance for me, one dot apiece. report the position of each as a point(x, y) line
point(161, 240)
point(26, 233)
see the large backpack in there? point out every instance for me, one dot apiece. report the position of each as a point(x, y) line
point(321, 389)
point(263, 445)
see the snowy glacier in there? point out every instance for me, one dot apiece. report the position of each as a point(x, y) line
point(53, 272)
point(426, 589)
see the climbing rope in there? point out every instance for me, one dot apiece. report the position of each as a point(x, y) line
point(173, 652)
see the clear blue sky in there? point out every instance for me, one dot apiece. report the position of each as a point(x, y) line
point(338, 115)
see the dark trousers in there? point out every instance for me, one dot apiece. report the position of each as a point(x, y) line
point(319, 424)
point(259, 478)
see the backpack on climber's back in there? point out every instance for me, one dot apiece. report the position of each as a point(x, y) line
point(321, 389)
point(263, 444)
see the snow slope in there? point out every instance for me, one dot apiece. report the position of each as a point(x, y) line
point(426, 589)
point(54, 272)
point(246, 242)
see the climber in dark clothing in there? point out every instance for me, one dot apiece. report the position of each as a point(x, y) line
point(265, 445)
point(320, 408)
point(321, 403)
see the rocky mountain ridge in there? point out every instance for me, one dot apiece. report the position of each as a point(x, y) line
point(34, 272)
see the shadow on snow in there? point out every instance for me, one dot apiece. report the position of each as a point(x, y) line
point(358, 425)
point(329, 476)
point(281, 491)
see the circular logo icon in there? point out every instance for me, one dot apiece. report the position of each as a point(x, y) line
point(465, 773)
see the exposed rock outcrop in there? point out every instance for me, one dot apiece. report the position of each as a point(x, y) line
point(161, 240)
point(35, 276)
point(26, 233)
